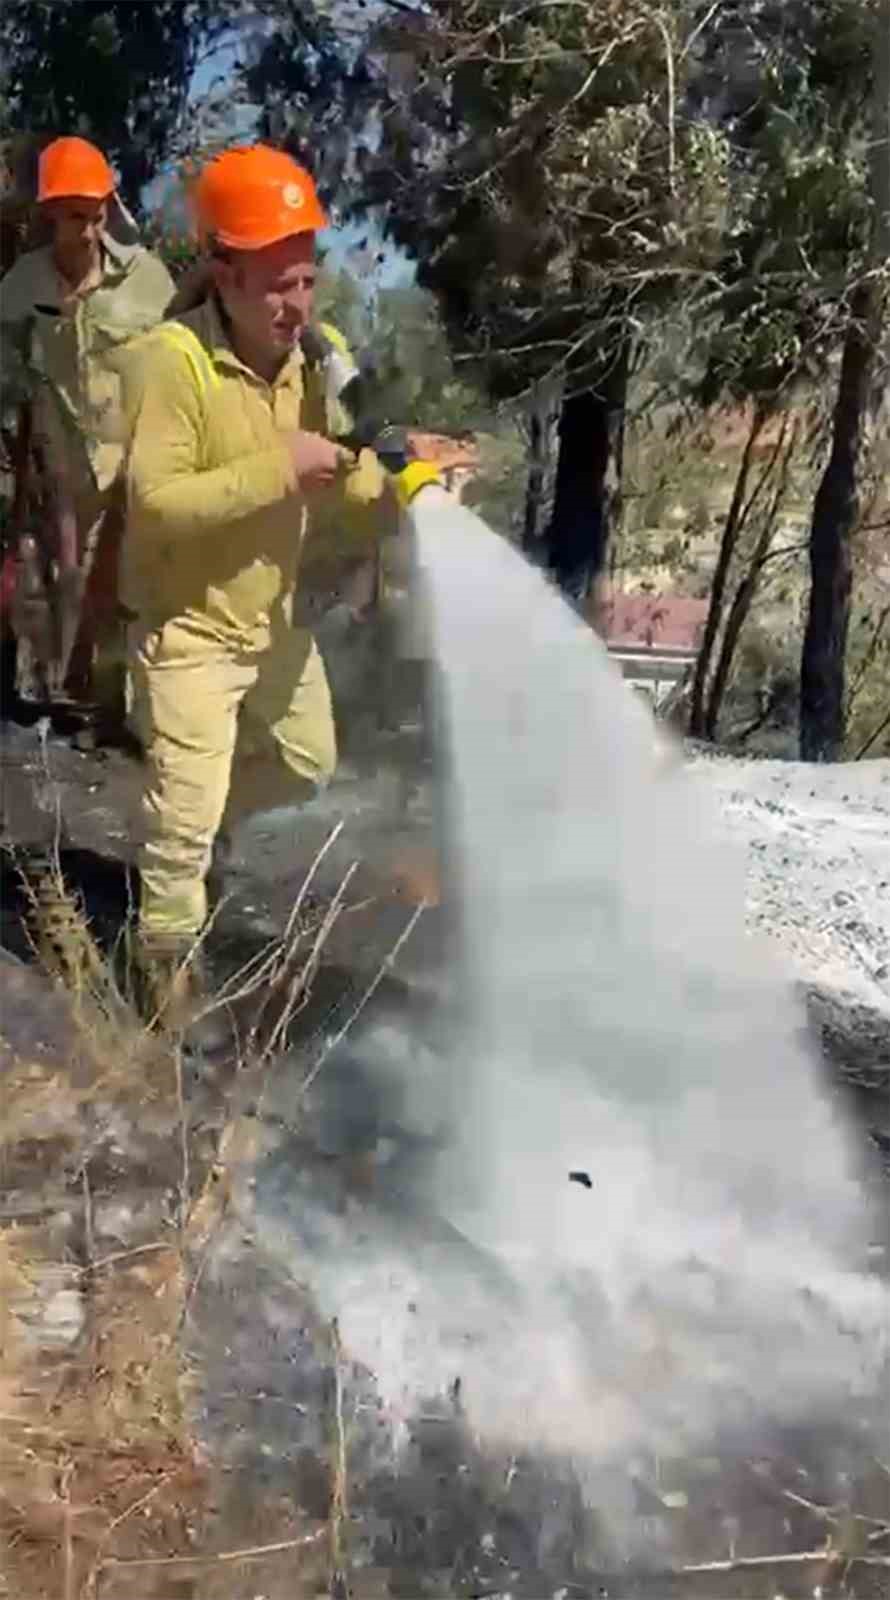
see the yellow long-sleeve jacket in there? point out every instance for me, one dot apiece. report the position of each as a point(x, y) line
point(216, 525)
point(63, 352)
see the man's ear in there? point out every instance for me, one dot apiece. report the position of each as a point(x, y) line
point(223, 273)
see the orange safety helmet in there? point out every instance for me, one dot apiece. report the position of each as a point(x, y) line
point(253, 196)
point(73, 166)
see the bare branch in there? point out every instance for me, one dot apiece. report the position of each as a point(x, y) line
point(700, 27)
point(672, 101)
point(868, 656)
point(385, 967)
point(872, 739)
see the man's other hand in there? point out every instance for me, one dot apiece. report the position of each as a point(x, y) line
point(317, 462)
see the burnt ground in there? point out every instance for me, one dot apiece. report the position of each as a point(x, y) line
point(279, 1403)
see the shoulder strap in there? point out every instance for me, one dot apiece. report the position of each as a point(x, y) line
point(334, 337)
point(178, 337)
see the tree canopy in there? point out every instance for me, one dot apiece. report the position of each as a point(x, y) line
point(540, 163)
point(117, 73)
point(586, 190)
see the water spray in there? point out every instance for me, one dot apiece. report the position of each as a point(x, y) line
point(665, 1240)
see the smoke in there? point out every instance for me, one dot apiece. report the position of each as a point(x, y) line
point(621, 1208)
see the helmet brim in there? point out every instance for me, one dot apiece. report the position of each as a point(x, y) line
point(83, 193)
point(313, 223)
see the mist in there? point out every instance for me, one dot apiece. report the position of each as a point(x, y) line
point(632, 1219)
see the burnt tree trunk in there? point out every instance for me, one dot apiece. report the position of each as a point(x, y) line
point(135, 172)
point(735, 518)
point(534, 489)
point(588, 479)
point(837, 505)
point(747, 589)
point(835, 517)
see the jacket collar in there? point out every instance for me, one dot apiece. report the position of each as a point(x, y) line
point(119, 259)
point(117, 262)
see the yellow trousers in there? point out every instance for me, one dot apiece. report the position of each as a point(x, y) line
point(226, 732)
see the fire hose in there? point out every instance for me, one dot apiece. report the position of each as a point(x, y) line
point(350, 389)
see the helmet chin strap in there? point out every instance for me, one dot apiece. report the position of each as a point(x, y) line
point(122, 225)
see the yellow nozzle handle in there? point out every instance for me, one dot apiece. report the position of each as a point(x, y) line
point(415, 476)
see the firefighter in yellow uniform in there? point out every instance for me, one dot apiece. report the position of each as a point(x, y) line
point(230, 472)
point(66, 312)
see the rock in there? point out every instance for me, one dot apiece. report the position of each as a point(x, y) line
point(36, 1017)
point(855, 1037)
point(49, 1309)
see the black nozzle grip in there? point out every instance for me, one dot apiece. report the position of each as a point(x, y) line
point(389, 444)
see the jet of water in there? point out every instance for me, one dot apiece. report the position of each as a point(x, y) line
point(638, 1134)
point(621, 1025)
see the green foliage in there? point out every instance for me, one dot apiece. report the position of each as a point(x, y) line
point(305, 67)
point(497, 489)
point(568, 177)
point(121, 72)
point(417, 370)
point(539, 163)
point(418, 383)
point(868, 643)
point(116, 72)
point(339, 299)
point(401, 329)
point(791, 84)
point(868, 653)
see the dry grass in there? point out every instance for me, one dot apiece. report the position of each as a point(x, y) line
point(101, 1477)
point(93, 1388)
point(88, 1433)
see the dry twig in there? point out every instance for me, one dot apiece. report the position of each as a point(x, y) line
point(257, 1552)
point(385, 967)
point(797, 1558)
point(90, 1586)
point(339, 1490)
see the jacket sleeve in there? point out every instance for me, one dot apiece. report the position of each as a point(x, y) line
point(16, 319)
point(16, 378)
point(172, 495)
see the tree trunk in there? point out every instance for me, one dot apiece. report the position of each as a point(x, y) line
point(734, 520)
point(588, 480)
point(534, 489)
point(835, 515)
point(543, 412)
point(743, 598)
point(837, 504)
point(135, 172)
point(879, 159)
